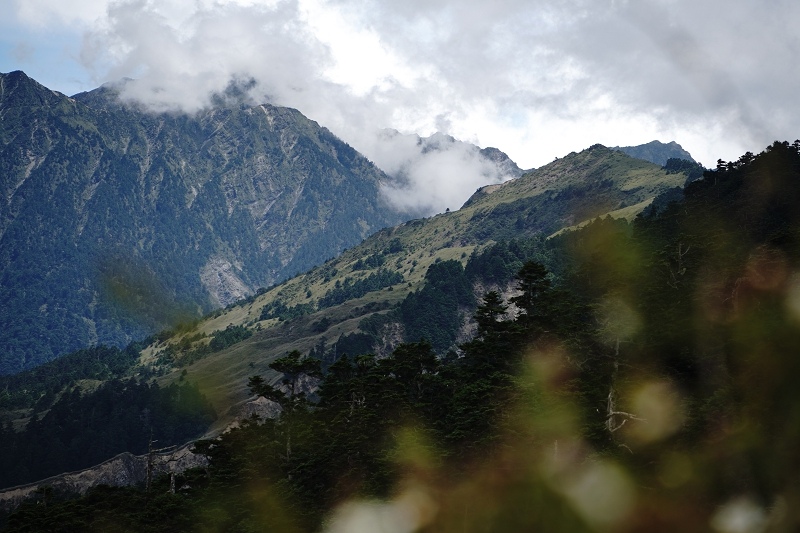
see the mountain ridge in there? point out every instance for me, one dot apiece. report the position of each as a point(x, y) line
point(656, 152)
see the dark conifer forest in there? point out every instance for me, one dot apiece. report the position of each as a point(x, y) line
point(82, 429)
point(640, 377)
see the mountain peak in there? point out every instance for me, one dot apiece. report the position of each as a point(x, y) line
point(16, 76)
point(18, 89)
point(597, 164)
point(656, 152)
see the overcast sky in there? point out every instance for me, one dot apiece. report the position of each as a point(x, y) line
point(537, 79)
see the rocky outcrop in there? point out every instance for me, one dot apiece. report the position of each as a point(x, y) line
point(219, 278)
point(123, 470)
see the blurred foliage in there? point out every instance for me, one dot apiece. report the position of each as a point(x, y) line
point(649, 385)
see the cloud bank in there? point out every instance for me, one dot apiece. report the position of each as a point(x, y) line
point(433, 173)
point(535, 78)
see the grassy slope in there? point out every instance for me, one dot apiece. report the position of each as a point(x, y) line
point(628, 213)
point(628, 185)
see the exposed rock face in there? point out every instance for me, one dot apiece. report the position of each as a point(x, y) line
point(220, 279)
point(123, 470)
point(504, 163)
point(123, 221)
point(260, 407)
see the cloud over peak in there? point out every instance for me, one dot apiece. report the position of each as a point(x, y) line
point(537, 79)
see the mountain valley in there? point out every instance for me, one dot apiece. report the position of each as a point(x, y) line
point(602, 328)
point(373, 297)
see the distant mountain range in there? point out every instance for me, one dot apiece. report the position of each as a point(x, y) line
point(441, 141)
point(419, 279)
point(116, 222)
point(159, 217)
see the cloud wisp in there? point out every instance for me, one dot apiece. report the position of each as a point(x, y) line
point(434, 173)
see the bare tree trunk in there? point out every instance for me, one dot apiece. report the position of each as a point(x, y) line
point(613, 416)
point(150, 456)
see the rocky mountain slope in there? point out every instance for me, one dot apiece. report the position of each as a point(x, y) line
point(115, 222)
point(124, 470)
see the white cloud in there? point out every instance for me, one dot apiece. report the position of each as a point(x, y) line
point(181, 63)
point(43, 13)
point(536, 79)
point(433, 174)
